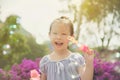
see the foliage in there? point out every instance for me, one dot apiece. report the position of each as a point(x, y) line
point(97, 10)
point(13, 44)
point(36, 50)
point(3, 75)
point(103, 14)
point(16, 43)
point(102, 70)
point(106, 15)
point(20, 71)
point(106, 70)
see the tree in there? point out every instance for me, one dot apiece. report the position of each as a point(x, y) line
point(98, 12)
point(36, 50)
point(13, 45)
point(16, 43)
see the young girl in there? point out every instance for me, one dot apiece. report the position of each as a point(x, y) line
point(62, 64)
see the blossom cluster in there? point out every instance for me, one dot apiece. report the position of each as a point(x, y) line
point(20, 71)
point(102, 70)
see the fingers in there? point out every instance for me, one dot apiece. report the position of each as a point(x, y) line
point(90, 52)
point(85, 49)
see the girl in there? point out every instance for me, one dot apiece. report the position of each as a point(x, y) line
point(62, 64)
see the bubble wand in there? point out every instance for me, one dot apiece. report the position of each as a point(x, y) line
point(83, 48)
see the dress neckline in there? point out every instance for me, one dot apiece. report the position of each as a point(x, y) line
point(61, 59)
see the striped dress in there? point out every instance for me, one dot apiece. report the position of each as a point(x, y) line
point(65, 69)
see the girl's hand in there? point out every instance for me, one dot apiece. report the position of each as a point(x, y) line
point(34, 78)
point(88, 54)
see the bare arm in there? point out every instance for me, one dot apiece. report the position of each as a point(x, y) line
point(87, 72)
point(89, 67)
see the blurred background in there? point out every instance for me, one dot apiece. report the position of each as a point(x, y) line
point(24, 27)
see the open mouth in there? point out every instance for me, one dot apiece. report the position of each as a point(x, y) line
point(58, 43)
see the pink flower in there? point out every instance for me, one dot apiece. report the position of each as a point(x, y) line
point(34, 75)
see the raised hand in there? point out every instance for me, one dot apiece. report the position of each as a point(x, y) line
point(83, 48)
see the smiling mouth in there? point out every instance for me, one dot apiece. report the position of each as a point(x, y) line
point(58, 44)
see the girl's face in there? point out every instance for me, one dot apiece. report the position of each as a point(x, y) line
point(58, 35)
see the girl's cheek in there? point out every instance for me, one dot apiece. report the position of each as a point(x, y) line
point(66, 40)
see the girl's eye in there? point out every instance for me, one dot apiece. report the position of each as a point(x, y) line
point(54, 33)
point(64, 34)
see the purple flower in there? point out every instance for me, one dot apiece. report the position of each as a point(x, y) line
point(106, 70)
point(22, 71)
point(4, 75)
point(102, 70)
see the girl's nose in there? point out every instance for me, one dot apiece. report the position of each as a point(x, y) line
point(58, 37)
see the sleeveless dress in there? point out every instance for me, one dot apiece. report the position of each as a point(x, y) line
point(65, 69)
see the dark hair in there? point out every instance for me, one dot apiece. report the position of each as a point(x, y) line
point(65, 20)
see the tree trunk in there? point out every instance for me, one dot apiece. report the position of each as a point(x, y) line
point(78, 28)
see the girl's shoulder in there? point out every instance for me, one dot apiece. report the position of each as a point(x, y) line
point(76, 55)
point(43, 62)
point(44, 59)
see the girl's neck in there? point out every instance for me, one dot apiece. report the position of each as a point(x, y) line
point(61, 52)
point(59, 55)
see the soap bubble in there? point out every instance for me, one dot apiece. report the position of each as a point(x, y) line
point(73, 69)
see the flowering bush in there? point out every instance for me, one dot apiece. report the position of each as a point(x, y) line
point(102, 70)
point(20, 71)
point(106, 70)
point(3, 75)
